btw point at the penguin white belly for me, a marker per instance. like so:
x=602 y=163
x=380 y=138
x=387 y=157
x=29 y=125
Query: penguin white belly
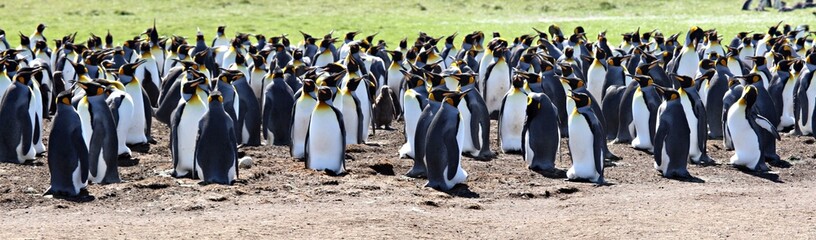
x=746 y=143
x=484 y=62
x=582 y=152
x=787 y=118
x=689 y=62
x=529 y=155
x=761 y=47
x=76 y=179
x=496 y=85
x=324 y=59
x=734 y=66
x=596 y=75
x=125 y=119
x=187 y=135
x=664 y=163
x=325 y=147
x=168 y=64
x=345 y=103
x=4 y=85
x=138 y=123
x=36 y=106
x=703 y=92
x=411 y=112
x=640 y=119
x=150 y=67
x=395 y=78
x=85 y=117
x=694 y=151
x=300 y=126
x=461 y=175
x=256 y=82
x=515 y=107
x=365 y=107
x=467 y=143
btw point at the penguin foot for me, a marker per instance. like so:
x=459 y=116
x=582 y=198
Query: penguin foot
x=778 y=163
x=611 y=156
x=335 y=174
x=608 y=163
x=549 y=172
x=348 y=156
x=621 y=141
x=704 y=161
x=416 y=173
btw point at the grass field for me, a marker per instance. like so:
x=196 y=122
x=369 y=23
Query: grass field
x=393 y=19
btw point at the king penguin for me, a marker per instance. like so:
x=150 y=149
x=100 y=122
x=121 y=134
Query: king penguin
x=687 y=61
x=277 y=108
x=216 y=150
x=671 y=144
x=511 y=117
x=184 y=126
x=17 y=131
x=496 y=82
x=326 y=137
x=67 y=153
x=476 y=119
x=139 y=131
x=347 y=102
x=540 y=135
x=806 y=97
x=445 y=134
x=301 y=113
x=645 y=103
x=586 y=141
x=749 y=132
x=413 y=104
x=99 y=132
x=696 y=118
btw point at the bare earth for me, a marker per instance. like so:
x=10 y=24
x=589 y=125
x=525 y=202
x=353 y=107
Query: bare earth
x=502 y=199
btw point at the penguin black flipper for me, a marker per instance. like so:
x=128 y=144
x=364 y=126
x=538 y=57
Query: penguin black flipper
x=617 y=116
x=339 y=116
x=174 y=140
x=598 y=142
x=479 y=119
x=165 y=111
x=169 y=80
x=802 y=101
x=360 y=125
x=148 y=115
x=653 y=102
x=452 y=156
x=501 y=112
x=702 y=125
x=658 y=141
x=150 y=89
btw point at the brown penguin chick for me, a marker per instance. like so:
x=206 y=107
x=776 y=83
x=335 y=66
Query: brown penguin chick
x=384 y=110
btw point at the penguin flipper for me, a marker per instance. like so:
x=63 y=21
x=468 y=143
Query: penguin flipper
x=82 y=153
x=452 y=153
x=804 y=103
x=474 y=125
x=148 y=115
x=342 y=154
x=659 y=141
x=360 y=124
x=765 y=124
x=598 y=142
x=174 y=139
x=501 y=112
x=267 y=114
x=702 y=124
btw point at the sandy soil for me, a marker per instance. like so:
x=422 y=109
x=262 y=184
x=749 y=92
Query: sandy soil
x=502 y=199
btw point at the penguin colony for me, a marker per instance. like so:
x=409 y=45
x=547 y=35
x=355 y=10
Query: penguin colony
x=653 y=92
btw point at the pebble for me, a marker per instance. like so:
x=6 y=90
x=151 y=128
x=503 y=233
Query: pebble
x=245 y=162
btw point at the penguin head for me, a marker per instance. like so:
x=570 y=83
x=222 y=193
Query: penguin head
x=189 y=88
x=435 y=79
x=437 y=94
x=40 y=28
x=666 y=56
x=530 y=78
x=798 y=65
x=9 y=65
x=617 y=60
x=350 y=35
x=308 y=86
x=220 y=31
x=110 y=85
x=694 y=36
x=685 y=81
x=92 y=88
x=643 y=80
x=706 y=76
x=706 y=64
x=464 y=78
x=25 y=42
x=517 y=81
x=747 y=42
x=750 y=78
x=333 y=68
x=449 y=40
x=396 y=56
x=126 y=71
x=574 y=83
x=784 y=65
x=581 y=99
x=811 y=58
x=108 y=40
x=453 y=98
x=668 y=94
x=80 y=69
x=566 y=69
x=353 y=83
x=215 y=96
x=65 y=97
x=333 y=79
x=413 y=80
x=749 y=96
x=758 y=60
x=774 y=30
x=324 y=94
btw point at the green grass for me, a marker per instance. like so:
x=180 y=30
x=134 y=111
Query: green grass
x=393 y=19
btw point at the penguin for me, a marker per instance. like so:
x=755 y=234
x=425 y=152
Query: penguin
x=301 y=113
x=229 y=96
x=324 y=55
x=540 y=134
x=216 y=150
x=38 y=35
x=148 y=74
x=596 y=74
x=586 y=141
x=326 y=137
x=278 y=103
x=384 y=108
x=751 y=133
x=686 y=63
x=99 y=132
x=249 y=112
x=445 y=134
x=184 y=127
x=577 y=85
x=671 y=144
x=782 y=94
x=432 y=107
x=121 y=106
x=220 y=38
x=141 y=122
x=67 y=152
x=615 y=75
x=257 y=76
x=695 y=117
x=347 y=102
x=496 y=82
x=716 y=88
x=413 y=105
x=476 y=119
x=644 y=109
x=17 y=131
x=806 y=98
x=511 y=117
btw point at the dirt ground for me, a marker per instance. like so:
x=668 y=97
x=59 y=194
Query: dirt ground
x=501 y=200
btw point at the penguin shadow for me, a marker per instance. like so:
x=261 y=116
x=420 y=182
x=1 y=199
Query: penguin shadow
x=383 y=169
x=126 y=160
x=140 y=148
x=596 y=184
x=463 y=191
x=688 y=179
x=554 y=173
x=780 y=163
x=773 y=177
x=83 y=197
x=33 y=163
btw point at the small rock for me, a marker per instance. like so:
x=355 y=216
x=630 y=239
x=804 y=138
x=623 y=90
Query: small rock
x=474 y=206
x=30 y=190
x=245 y=162
x=61 y=206
x=217 y=198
